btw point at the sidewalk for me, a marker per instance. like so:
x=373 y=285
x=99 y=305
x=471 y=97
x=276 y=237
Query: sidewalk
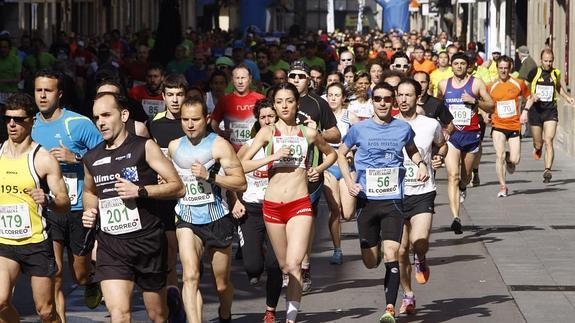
x=512 y=264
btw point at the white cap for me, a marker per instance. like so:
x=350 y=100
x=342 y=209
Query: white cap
x=290 y=48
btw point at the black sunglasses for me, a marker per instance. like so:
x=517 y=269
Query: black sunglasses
x=7 y=119
x=386 y=99
x=406 y=66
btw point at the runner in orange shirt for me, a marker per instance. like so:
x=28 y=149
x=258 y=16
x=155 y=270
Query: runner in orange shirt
x=507 y=118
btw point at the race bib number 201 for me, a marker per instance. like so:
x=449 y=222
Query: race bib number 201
x=119 y=216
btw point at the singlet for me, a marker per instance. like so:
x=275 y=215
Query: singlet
x=297 y=144
x=124 y=219
x=427 y=132
x=21 y=220
x=546 y=85
x=379 y=157
x=77 y=133
x=465 y=117
x=257 y=180
x=343 y=125
x=204 y=202
x=507 y=106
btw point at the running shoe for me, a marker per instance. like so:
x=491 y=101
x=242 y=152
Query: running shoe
x=407 y=305
x=337 y=257
x=255 y=281
x=502 y=191
x=389 y=315
x=462 y=195
x=92 y=295
x=285 y=280
x=509 y=165
x=306 y=279
x=537 y=154
x=547 y=175
x=421 y=270
x=475 y=179
x=175 y=306
x=269 y=317
x=456 y=226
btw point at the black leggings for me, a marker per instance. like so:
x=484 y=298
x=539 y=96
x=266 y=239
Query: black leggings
x=254 y=235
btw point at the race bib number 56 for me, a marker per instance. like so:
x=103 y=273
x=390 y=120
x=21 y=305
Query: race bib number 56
x=381 y=182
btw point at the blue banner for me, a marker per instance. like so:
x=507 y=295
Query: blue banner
x=253 y=13
x=395 y=14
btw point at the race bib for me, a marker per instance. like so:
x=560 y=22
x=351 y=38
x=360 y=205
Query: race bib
x=297 y=153
x=15 y=221
x=545 y=92
x=119 y=216
x=151 y=107
x=381 y=182
x=71 y=180
x=506 y=109
x=198 y=192
x=4 y=96
x=411 y=169
x=241 y=131
x=261 y=184
x=461 y=114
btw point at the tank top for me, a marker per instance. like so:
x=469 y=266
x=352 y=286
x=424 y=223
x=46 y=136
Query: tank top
x=204 y=202
x=465 y=117
x=123 y=218
x=297 y=144
x=21 y=220
x=257 y=180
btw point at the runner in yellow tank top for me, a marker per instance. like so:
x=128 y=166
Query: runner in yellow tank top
x=25 y=170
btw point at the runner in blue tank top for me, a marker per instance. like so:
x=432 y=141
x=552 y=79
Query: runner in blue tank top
x=463 y=95
x=379 y=186
x=208 y=166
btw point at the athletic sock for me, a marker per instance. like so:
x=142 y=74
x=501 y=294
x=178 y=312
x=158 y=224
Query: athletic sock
x=305 y=265
x=292 y=307
x=391 y=281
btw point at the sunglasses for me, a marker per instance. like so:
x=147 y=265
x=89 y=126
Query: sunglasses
x=297 y=75
x=7 y=119
x=405 y=66
x=386 y=99
x=396 y=48
x=346 y=59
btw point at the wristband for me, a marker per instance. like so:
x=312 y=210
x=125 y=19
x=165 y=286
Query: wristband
x=421 y=161
x=211 y=177
x=49 y=199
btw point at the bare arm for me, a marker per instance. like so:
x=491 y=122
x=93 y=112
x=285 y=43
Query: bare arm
x=565 y=95
x=172 y=187
x=415 y=156
x=48 y=167
x=141 y=129
x=252 y=164
x=332 y=135
x=234 y=178
x=441 y=89
x=486 y=102
x=320 y=142
x=260 y=140
x=90 y=195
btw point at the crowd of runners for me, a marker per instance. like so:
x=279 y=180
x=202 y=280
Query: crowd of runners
x=126 y=165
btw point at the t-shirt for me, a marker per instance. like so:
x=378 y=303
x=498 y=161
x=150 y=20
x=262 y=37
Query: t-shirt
x=435 y=109
x=10 y=68
x=35 y=63
x=281 y=64
x=425 y=66
x=438 y=76
x=427 y=132
x=237 y=113
x=379 y=157
x=363 y=110
x=77 y=133
x=507 y=106
x=174 y=67
x=151 y=104
x=314 y=61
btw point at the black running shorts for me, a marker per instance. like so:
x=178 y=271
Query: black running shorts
x=379 y=220
x=218 y=234
x=35 y=259
x=416 y=204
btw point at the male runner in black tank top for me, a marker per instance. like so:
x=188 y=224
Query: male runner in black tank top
x=120 y=190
